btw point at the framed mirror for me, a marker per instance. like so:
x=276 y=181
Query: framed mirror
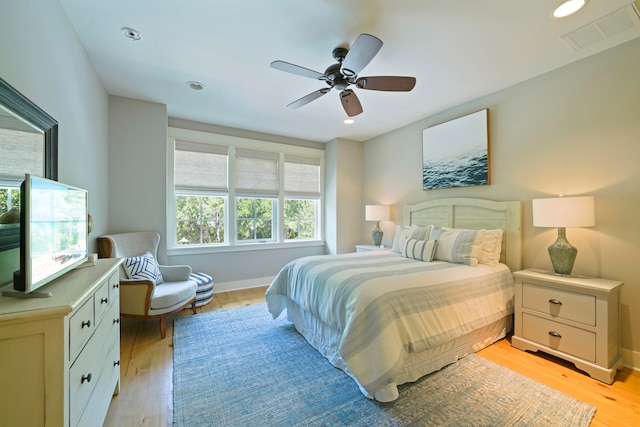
x=28 y=144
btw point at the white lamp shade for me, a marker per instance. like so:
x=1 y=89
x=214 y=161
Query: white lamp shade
x=564 y=212
x=376 y=213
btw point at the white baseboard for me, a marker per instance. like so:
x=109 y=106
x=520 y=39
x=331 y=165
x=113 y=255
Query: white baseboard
x=630 y=359
x=242 y=284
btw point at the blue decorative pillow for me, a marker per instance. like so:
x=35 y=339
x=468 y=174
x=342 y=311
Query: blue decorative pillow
x=421 y=250
x=143 y=267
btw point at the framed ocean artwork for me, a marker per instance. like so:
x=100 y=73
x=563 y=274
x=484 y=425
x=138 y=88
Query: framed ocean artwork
x=456 y=153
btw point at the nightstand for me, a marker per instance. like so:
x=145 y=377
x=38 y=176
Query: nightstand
x=369 y=248
x=573 y=318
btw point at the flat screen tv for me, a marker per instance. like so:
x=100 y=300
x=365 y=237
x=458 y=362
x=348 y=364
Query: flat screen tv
x=53 y=233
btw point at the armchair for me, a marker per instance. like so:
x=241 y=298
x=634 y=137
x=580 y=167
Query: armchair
x=143 y=298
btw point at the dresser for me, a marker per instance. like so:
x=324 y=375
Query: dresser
x=60 y=356
x=573 y=318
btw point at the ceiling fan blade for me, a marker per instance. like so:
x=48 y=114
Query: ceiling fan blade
x=296 y=69
x=308 y=98
x=350 y=102
x=361 y=53
x=387 y=83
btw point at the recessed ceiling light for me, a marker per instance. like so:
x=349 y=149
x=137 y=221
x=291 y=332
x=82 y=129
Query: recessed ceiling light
x=130 y=33
x=349 y=121
x=569 y=7
x=195 y=85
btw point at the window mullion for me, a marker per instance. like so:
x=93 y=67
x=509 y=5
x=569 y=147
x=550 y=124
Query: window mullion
x=232 y=218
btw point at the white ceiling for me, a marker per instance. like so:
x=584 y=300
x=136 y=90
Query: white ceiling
x=458 y=50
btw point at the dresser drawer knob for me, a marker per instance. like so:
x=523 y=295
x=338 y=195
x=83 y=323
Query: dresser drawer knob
x=555 y=301
x=116 y=321
x=115 y=286
x=555 y=334
x=116 y=363
x=104 y=300
x=87 y=324
x=86 y=378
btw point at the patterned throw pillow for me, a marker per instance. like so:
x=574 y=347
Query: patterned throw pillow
x=412 y=232
x=143 y=267
x=458 y=245
x=421 y=250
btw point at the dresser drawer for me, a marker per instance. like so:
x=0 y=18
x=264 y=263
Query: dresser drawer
x=88 y=368
x=560 y=303
x=81 y=326
x=558 y=336
x=102 y=300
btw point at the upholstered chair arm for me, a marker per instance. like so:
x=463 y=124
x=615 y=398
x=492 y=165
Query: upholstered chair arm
x=135 y=296
x=175 y=273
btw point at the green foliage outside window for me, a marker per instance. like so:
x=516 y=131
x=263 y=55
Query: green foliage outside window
x=254 y=218
x=199 y=220
x=300 y=219
x=7 y=202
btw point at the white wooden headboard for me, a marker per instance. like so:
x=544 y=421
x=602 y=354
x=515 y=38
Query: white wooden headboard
x=474 y=214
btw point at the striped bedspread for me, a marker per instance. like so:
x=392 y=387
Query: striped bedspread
x=384 y=306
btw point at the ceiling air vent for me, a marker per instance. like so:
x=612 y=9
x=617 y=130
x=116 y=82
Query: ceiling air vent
x=614 y=23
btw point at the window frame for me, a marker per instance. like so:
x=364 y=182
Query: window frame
x=231 y=244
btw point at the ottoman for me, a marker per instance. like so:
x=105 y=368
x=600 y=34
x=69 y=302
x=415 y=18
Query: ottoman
x=204 y=294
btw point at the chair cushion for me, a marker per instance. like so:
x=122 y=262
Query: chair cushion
x=143 y=267
x=169 y=294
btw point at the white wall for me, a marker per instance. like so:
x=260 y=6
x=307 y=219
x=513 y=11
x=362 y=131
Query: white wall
x=573 y=131
x=137 y=172
x=343 y=195
x=40 y=56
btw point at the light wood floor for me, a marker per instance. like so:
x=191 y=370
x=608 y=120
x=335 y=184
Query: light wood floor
x=146 y=382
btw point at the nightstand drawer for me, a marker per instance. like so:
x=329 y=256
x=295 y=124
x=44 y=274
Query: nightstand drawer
x=559 y=303
x=557 y=336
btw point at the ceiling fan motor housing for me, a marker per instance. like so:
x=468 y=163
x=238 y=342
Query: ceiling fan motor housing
x=336 y=79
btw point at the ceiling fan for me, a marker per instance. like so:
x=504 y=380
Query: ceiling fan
x=345 y=73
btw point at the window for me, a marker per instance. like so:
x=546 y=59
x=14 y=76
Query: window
x=233 y=192
x=199 y=219
x=302 y=195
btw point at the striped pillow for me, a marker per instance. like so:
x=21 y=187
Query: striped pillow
x=458 y=245
x=421 y=250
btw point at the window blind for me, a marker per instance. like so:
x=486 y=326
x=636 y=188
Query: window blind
x=301 y=176
x=200 y=166
x=256 y=173
x=20 y=153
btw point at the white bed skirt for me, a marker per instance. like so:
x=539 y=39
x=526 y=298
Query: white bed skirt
x=416 y=365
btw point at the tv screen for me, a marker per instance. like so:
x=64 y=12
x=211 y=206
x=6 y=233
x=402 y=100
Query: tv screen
x=53 y=231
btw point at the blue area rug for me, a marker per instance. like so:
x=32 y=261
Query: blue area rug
x=239 y=367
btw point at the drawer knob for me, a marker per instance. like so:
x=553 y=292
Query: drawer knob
x=555 y=301
x=104 y=301
x=116 y=363
x=86 y=378
x=115 y=286
x=116 y=321
x=555 y=334
x=87 y=324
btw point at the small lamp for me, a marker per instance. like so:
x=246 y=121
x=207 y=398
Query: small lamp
x=563 y=212
x=376 y=213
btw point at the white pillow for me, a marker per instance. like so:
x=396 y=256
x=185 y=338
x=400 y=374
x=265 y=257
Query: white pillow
x=457 y=245
x=143 y=267
x=491 y=247
x=409 y=232
x=421 y=250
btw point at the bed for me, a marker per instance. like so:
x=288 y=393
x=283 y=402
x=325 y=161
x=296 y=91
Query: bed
x=390 y=317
